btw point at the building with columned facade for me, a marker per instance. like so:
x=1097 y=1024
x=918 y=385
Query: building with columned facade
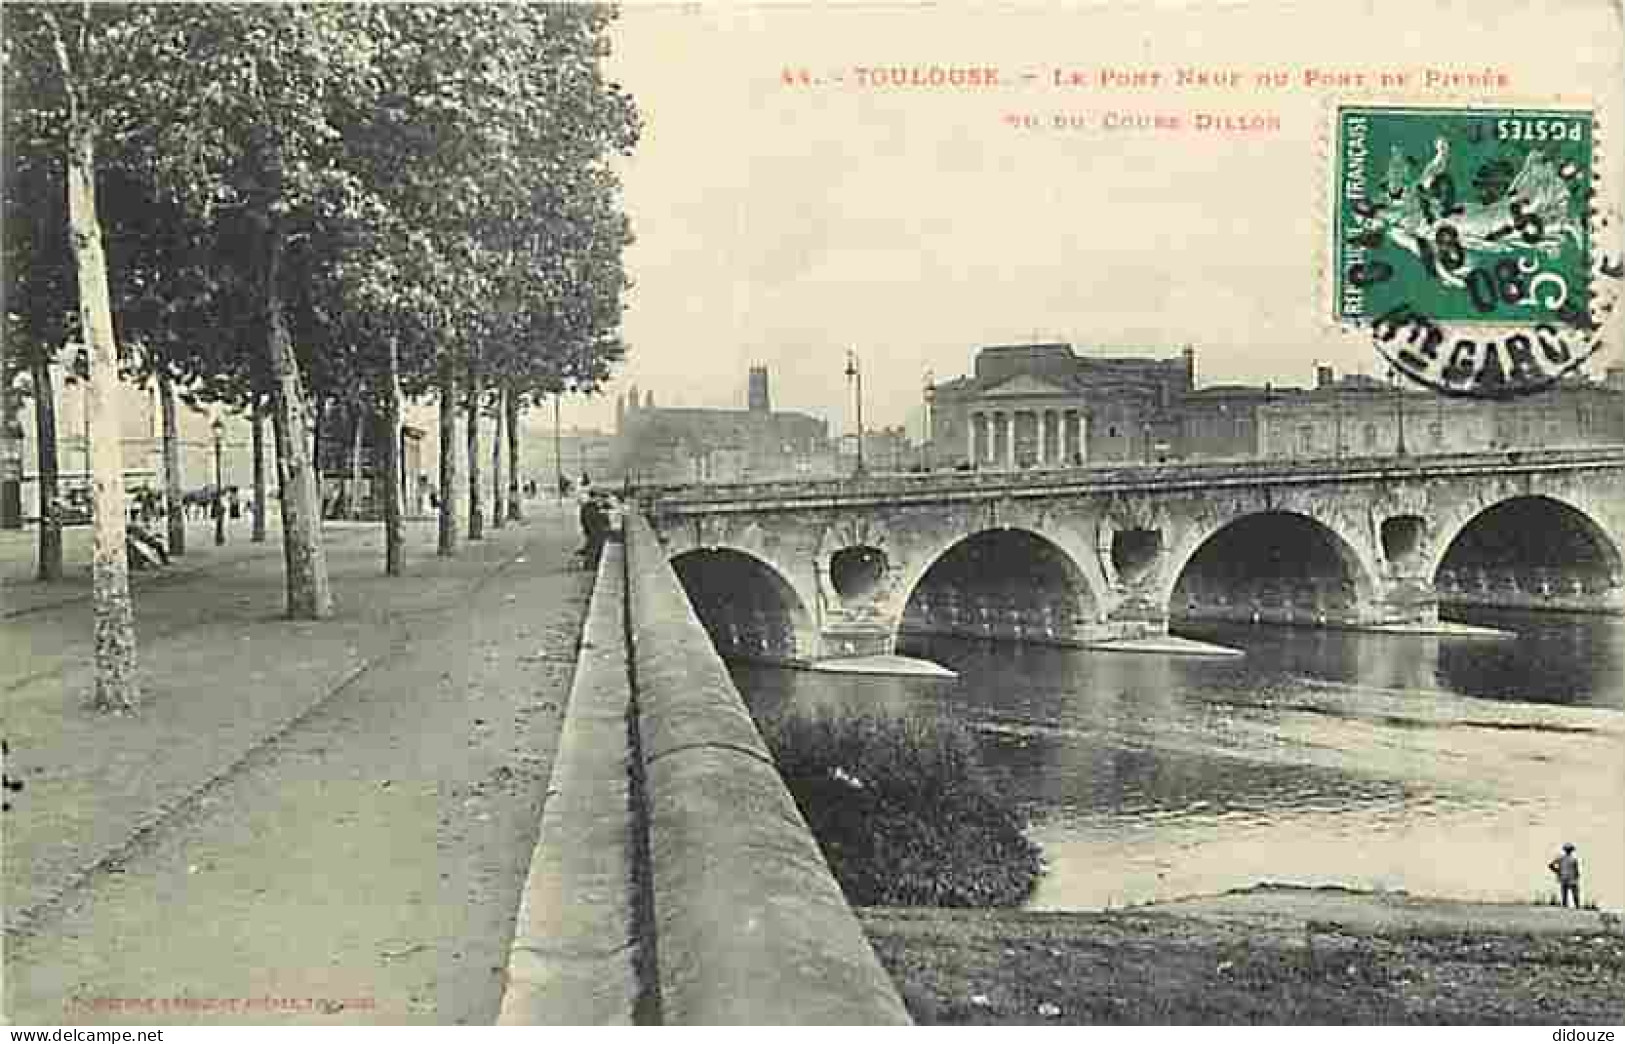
x=1043 y=405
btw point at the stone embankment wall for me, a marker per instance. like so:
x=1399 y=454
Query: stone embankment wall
x=675 y=880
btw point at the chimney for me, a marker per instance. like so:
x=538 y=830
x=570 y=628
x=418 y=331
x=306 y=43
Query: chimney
x=756 y=397
x=1189 y=355
x=1324 y=378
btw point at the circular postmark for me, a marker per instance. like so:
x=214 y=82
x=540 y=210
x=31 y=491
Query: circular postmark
x=1464 y=240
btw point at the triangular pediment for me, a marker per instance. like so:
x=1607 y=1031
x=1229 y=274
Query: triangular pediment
x=1025 y=384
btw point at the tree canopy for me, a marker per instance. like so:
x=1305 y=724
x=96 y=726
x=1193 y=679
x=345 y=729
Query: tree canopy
x=439 y=174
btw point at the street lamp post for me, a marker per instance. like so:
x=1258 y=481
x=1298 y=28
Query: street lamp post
x=219 y=429
x=925 y=437
x=855 y=373
x=84 y=409
x=1399 y=411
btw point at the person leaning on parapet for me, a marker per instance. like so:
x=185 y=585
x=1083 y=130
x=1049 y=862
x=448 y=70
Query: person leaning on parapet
x=594 y=527
x=1567 y=869
x=601 y=526
x=614 y=517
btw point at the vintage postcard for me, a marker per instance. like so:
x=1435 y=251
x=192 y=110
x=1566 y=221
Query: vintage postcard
x=1070 y=512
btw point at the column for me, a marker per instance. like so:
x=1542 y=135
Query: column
x=1010 y=442
x=1042 y=417
x=971 y=420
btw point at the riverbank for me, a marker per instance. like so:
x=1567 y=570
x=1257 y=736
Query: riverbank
x=1266 y=955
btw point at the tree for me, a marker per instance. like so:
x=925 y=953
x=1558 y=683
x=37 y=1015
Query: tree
x=61 y=69
x=38 y=267
x=499 y=417
x=253 y=99
x=490 y=119
x=511 y=403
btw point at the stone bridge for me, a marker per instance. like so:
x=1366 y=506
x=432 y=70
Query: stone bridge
x=807 y=571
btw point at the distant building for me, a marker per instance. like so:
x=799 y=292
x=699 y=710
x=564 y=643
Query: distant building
x=884 y=450
x=1362 y=416
x=1043 y=405
x=142 y=439
x=681 y=444
x=341 y=495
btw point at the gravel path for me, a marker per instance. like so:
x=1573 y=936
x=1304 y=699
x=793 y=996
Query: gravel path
x=370 y=792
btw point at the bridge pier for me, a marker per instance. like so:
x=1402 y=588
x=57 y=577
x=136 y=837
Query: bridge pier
x=849 y=641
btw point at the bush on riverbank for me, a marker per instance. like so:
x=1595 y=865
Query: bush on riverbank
x=901 y=809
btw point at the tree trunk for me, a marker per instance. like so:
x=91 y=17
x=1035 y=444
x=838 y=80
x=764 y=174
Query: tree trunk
x=447 y=543
x=117 y=687
x=318 y=414
x=391 y=462
x=259 y=471
x=499 y=513
x=476 y=517
x=50 y=511
x=11 y=435
x=514 y=514
x=310 y=595
x=174 y=506
x=358 y=434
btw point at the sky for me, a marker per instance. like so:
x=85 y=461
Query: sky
x=782 y=223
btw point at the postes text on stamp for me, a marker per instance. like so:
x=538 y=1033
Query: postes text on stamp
x=1463 y=239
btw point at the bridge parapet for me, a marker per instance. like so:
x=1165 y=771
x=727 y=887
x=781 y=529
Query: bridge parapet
x=904 y=487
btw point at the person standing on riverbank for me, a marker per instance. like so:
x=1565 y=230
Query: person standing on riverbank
x=1567 y=869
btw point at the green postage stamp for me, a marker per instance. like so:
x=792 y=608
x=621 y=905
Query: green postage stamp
x=1464 y=214
x=1453 y=220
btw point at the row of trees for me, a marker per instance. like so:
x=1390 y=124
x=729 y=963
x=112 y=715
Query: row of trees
x=281 y=208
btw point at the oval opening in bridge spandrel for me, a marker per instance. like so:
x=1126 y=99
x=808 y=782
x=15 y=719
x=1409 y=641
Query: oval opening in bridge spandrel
x=857 y=572
x=1134 y=551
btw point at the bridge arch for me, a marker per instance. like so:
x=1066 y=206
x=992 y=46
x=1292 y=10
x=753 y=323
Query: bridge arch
x=1279 y=566
x=1002 y=582
x=1528 y=548
x=747 y=604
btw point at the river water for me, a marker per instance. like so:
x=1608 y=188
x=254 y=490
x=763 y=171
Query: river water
x=1441 y=766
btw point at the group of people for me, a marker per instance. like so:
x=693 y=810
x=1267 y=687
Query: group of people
x=212 y=502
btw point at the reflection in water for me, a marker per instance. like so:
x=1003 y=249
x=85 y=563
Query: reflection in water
x=1441 y=766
